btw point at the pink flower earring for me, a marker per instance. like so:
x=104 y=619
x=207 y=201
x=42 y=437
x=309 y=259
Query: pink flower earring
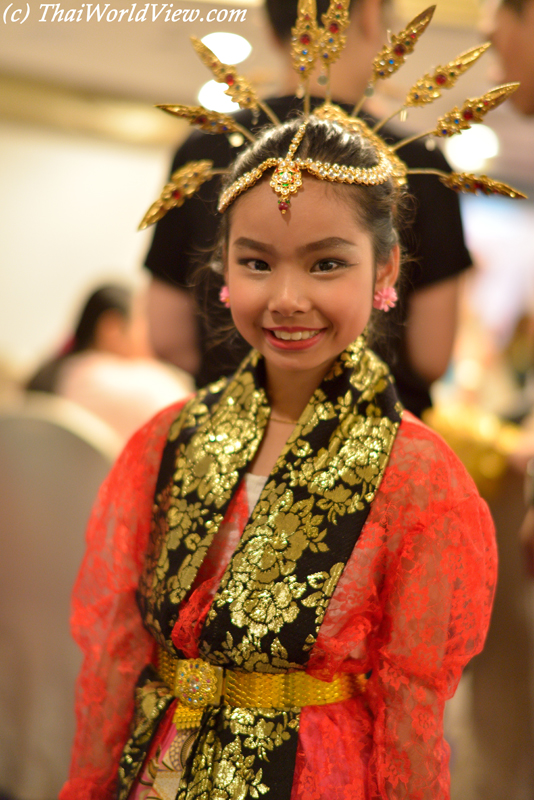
x=224 y=296
x=385 y=299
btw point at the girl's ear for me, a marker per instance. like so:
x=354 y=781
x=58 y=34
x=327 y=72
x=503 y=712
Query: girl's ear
x=387 y=273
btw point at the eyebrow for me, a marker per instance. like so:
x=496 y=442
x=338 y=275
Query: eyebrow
x=331 y=242
x=243 y=243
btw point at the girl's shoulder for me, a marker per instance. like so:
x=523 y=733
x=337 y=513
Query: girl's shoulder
x=423 y=469
x=417 y=438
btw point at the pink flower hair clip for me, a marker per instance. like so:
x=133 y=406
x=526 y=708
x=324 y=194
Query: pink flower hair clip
x=224 y=296
x=385 y=299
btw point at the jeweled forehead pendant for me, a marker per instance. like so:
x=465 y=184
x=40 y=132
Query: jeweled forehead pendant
x=287 y=177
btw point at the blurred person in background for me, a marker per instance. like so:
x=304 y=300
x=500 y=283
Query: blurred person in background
x=103 y=325
x=422 y=328
x=513 y=38
x=108 y=366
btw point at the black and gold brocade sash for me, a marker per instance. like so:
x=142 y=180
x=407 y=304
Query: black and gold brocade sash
x=275 y=591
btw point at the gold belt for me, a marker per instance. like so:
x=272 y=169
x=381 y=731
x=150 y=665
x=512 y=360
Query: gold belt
x=197 y=684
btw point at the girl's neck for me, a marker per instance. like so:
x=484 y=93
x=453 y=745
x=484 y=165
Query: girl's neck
x=290 y=393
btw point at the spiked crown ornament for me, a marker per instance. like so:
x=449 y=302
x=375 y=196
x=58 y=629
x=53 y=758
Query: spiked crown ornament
x=313 y=45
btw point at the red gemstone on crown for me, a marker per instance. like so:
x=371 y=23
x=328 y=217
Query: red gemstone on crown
x=334 y=28
x=305 y=39
x=399 y=50
x=177 y=194
x=201 y=120
x=441 y=79
x=468 y=115
x=230 y=80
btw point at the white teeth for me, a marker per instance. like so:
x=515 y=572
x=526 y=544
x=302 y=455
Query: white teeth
x=295 y=337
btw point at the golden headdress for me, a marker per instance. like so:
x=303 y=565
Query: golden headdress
x=313 y=44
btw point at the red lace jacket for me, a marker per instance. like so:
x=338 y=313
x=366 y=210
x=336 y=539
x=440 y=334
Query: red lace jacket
x=412 y=607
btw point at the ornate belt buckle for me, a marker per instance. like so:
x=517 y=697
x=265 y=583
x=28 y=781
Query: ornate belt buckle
x=198 y=683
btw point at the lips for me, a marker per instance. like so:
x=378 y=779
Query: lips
x=293 y=338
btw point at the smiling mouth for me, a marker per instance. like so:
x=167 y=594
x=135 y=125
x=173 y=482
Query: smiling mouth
x=303 y=339
x=293 y=336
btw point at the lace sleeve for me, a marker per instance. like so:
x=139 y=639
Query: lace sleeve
x=106 y=623
x=436 y=599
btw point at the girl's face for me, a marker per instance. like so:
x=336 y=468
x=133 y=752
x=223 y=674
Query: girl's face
x=301 y=284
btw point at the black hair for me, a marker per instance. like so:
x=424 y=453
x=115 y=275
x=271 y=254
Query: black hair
x=377 y=208
x=110 y=297
x=283 y=13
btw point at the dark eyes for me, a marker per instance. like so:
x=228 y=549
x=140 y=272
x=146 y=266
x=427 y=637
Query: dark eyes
x=322 y=267
x=328 y=265
x=255 y=264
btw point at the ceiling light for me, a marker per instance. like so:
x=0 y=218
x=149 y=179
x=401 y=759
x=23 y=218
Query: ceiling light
x=472 y=149
x=230 y=48
x=212 y=96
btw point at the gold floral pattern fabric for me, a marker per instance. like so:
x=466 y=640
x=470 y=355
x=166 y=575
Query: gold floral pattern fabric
x=275 y=591
x=234 y=755
x=209 y=447
x=274 y=594
x=330 y=468
x=152 y=698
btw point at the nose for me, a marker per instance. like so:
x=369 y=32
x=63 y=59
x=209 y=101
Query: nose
x=288 y=294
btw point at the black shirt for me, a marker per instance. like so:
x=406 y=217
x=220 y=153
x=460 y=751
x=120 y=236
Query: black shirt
x=433 y=241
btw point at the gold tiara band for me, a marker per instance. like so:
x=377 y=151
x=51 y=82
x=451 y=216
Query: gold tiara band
x=287 y=176
x=286 y=180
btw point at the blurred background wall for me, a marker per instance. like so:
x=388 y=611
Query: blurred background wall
x=69 y=207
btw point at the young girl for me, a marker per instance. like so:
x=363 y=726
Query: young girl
x=287 y=573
